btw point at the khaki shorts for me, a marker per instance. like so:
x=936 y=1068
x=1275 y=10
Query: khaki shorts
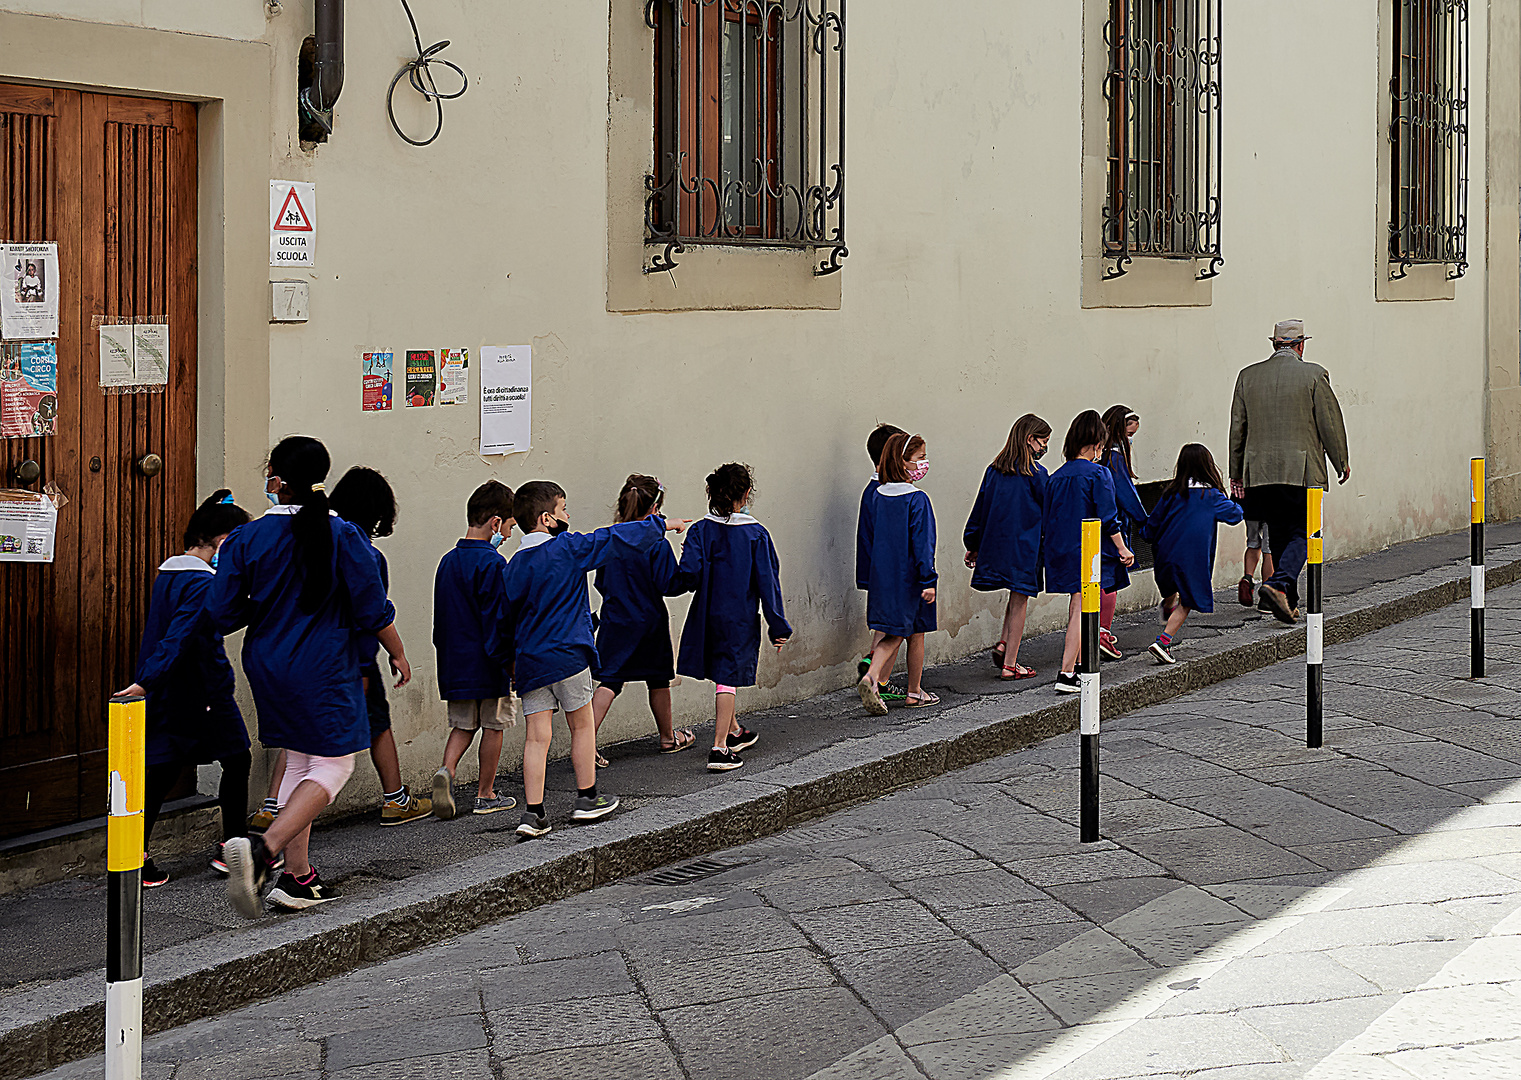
x=567 y=694
x=492 y=713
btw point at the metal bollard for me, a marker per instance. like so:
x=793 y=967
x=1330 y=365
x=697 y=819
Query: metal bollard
x=1088 y=665
x=124 y=894
x=1314 y=630
x=1476 y=567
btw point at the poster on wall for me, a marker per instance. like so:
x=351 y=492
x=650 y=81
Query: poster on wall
x=422 y=378
x=28 y=389
x=506 y=399
x=292 y=223
x=376 y=376
x=116 y=343
x=28 y=527
x=453 y=376
x=28 y=291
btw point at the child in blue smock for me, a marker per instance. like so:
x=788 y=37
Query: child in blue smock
x=182 y=671
x=473 y=642
x=728 y=560
x=1182 y=529
x=901 y=578
x=553 y=648
x=1079 y=490
x=874 y=443
x=634 y=625
x=303 y=582
x=1121 y=424
x=363 y=498
x=1003 y=534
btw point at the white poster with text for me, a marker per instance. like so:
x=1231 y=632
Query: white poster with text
x=506 y=399
x=29 y=290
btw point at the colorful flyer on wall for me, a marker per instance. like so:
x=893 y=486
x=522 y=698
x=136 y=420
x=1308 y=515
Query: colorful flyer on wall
x=376 y=368
x=28 y=527
x=422 y=378
x=29 y=390
x=29 y=290
x=506 y=398
x=453 y=376
x=116 y=343
x=150 y=354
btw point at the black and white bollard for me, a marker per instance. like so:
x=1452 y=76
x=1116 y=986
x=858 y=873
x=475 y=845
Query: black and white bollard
x=1476 y=567
x=1088 y=680
x=126 y=743
x=1315 y=626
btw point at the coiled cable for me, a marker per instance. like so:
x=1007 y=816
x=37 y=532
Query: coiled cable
x=419 y=73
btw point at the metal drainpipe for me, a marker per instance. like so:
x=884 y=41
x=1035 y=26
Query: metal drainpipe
x=327 y=72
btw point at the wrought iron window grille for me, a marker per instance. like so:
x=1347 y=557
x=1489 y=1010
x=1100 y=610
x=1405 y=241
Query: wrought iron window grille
x=749 y=127
x=1163 y=95
x=1428 y=136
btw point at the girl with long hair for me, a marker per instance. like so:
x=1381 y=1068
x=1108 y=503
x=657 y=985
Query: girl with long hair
x=1121 y=424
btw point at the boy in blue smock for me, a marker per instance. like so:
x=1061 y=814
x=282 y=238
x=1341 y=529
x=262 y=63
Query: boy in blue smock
x=1183 y=529
x=473 y=643
x=553 y=647
x=874 y=444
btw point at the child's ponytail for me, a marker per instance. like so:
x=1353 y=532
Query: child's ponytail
x=727 y=487
x=302 y=464
x=639 y=496
x=215 y=517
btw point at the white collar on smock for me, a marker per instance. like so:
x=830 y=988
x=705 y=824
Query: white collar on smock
x=186 y=562
x=732 y=519
x=896 y=489
x=533 y=540
x=289 y=509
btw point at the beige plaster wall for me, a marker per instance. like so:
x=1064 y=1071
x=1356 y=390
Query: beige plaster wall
x=960 y=305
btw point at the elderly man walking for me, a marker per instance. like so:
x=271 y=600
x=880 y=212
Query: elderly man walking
x=1285 y=422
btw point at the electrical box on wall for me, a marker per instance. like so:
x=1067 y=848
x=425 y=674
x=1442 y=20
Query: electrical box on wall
x=289 y=301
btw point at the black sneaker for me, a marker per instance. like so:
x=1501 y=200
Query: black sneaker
x=533 y=825
x=1067 y=684
x=862 y=667
x=153 y=877
x=291 y=895
x=742 y=738
x=1160 y=651
x=248 y=871
x=219 y=859
x=723 y=760
x=592 y=807
x=892 y=693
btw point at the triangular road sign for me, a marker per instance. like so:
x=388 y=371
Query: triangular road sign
x=292 y=216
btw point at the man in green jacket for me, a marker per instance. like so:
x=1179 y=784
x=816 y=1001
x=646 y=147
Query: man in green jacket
x=1285 y=422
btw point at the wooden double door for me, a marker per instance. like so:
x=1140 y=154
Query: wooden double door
x=113 y=180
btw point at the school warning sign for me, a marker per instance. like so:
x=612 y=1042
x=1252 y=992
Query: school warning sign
x=292 y=223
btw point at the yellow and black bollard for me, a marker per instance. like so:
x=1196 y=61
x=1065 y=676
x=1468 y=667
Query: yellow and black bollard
x=1088 y=678
x=1315 y=626
x=124 y=894
x=1476 y=567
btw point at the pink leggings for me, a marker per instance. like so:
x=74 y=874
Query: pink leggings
x=720 y=688
x=1106 y=609
x=328 y=773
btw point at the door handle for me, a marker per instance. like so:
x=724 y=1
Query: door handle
x=27 y=473
x=150 y=464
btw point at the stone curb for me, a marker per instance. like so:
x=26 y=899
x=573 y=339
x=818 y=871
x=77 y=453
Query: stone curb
x=64 y=1020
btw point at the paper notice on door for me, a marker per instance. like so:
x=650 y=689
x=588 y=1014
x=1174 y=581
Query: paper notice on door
x=116 y=367
x=28 y=389
x=506 y=399
x=453 y=376
x=150 y=354
x=28 y=527
x=29 y=291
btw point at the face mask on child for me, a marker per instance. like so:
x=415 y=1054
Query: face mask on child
x=918 y=470
x=558 y=526
x=1039 y=453
x=273 y=498
x=497 y=538
x=214 y=555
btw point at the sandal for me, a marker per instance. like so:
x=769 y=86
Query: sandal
x=1000 y=653
x=601 y=762
x=682 y=737
x=923 y=700
x=1019 y=670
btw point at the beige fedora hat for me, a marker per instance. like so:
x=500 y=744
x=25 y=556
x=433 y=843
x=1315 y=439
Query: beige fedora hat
x=1290 y=330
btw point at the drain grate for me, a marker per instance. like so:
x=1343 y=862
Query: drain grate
x=695 y=871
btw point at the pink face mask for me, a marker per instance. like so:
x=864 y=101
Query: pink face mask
x=918 y=470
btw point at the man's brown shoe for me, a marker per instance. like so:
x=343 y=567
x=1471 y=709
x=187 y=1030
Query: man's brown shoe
x=1274 y=603
x=1244 y=592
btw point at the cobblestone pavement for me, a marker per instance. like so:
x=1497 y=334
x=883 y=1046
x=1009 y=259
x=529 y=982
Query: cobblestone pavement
x=1258 y=911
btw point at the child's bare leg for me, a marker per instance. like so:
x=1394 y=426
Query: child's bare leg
x=277 y=774
x=1014 y=627
x=602 y=701
x=883 y=657
x=387 y=765
x=292 y=828
x=490 y=756
x=455 y=746
x=583 y=746
x=915 y=663
x=1250 y=561
x=1074 y=634
x=536 y=755
x=723 y=719
x=1175 y=621
x=876 y=639
x=1267 y=564
x=660 y=705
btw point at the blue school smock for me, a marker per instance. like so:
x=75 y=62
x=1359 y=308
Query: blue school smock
x=192 y=716
x=548 y=607
x=369 y=647
x=634 y=625
x=1004 y=530
x=303 y=668
x=863 y=534
x=471 y=636
x=1131 y=518
x=731 y=564
x=1078 y=490
x=1182 y=529
x=902 y=538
